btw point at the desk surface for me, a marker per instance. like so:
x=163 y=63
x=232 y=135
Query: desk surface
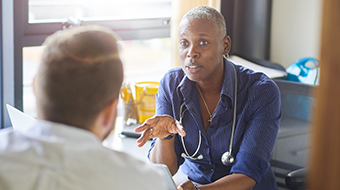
x=128 y=145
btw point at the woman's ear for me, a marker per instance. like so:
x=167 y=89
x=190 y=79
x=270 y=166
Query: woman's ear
x=226 y=45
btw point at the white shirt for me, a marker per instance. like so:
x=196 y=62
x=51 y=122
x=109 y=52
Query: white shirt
x=51 y=156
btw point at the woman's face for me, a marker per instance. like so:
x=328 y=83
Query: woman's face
x=200 y=48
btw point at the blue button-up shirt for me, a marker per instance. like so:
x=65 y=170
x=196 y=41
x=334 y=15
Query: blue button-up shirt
x=257 y=122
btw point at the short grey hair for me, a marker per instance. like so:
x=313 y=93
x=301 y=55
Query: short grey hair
x=209 y=13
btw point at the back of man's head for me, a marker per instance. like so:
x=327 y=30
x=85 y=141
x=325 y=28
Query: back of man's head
x=80 y=74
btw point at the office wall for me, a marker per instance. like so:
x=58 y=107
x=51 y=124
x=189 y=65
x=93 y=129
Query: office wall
x=295 y=30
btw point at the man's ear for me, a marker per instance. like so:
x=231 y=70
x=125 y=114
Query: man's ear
x=110 y=113
x=104 y=122
x=226 y=45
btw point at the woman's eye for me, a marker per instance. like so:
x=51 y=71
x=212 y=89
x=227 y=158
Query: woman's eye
x=183 y=43
x=202 y=43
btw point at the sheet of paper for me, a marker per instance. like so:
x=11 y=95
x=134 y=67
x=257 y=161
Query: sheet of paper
x=20 y=121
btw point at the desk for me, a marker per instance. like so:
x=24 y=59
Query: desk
x=128 y=145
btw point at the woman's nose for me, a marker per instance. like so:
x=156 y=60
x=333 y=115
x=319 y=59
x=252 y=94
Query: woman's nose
x=193 y=53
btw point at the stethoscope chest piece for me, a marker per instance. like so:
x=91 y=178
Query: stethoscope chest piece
x=227 y=158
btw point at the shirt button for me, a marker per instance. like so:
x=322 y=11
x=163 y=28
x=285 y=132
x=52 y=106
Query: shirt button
x=212 y=170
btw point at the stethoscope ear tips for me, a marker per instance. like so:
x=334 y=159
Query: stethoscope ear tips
x=227 y=159
x=183 y=155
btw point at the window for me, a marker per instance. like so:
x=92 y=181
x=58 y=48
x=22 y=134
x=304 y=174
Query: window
x=142 y=25
x=130 y=19
x=144 y=60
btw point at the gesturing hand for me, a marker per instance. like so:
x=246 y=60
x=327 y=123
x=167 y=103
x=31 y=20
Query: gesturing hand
x=159 y=127
x=187 y=185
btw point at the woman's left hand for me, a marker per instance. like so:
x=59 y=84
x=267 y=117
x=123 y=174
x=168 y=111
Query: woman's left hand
x=187 y=185
x=159 y=126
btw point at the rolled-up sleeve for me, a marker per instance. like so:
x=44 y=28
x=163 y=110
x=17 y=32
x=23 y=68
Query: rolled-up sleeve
x=249 y=165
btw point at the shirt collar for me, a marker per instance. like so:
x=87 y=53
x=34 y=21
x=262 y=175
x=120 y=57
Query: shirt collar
x=52 y=131
x=186 y=86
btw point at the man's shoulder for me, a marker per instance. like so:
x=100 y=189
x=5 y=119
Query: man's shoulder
x=6 y=131
x=126 y=161
x=132 y=172
x=108 y=168
x=11 y=140
x=6 y=136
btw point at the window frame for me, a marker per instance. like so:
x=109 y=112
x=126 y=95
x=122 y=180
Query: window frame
x=1 y=69
x=34 y=34
x=8 y=85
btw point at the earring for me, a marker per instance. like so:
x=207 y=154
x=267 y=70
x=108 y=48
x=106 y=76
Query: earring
x=226 y=56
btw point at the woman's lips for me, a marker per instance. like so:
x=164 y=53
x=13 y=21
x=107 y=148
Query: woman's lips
x=192 y=68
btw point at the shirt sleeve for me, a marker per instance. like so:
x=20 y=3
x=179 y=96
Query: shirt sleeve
x=260 y=131
x=165 y=98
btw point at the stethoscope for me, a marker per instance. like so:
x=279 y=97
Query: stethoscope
x=226 y=158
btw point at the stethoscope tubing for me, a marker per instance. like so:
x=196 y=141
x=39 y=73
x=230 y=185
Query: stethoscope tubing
x=186 y=155
x=234 y=118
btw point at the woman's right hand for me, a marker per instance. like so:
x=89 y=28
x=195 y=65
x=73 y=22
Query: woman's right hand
x=158 y=127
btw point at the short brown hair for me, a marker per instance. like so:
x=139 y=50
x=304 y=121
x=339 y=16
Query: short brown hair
x=79 y=75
